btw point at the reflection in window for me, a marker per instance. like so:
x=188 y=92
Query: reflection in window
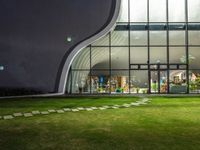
x=177 y=55
x=138 y=37
x=194 y=37
x=176 y=37
x=138 y=10
x=158 y=55
x=119 y=38
x=194 y=57
x=157 y=10
x=119 y=58
x=100 y=58
x=176 y=14
x=141 y=58
x=158 y=37
x=123 y=14
x=119 y=82
x=139 y=81
x=82 y=60
x=177 y=80
x=81 y=82
x=193 y=10
x=194 y=79
x=100 y=81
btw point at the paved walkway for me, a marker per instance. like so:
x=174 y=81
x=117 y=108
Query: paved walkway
x=142 y=101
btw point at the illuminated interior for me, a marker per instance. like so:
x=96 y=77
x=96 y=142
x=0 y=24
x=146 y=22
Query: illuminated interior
x=147 y=52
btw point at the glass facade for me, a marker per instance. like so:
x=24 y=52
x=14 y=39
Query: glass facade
x=154 y=48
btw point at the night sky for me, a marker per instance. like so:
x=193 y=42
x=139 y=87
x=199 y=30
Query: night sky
x=33 y=35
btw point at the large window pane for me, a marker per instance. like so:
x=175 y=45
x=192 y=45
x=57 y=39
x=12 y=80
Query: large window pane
x=100 y=81
x=119 y=58
x=139 y=55
x=176 y=10
x=119 y=81
x=177 y=80
x=119 y=38
x=157 y=10
x=193 y=10
x=194 y=78
x=139 y=81
x=138 y=38
x=138 y=10
x=123 y=15
x=194 y=57
x=177 y=55
x=194 y=37
x=158 y=37
x=82 y=60
x=176 y=37
x=100 y=58
x=80 y=82
x=158 y=55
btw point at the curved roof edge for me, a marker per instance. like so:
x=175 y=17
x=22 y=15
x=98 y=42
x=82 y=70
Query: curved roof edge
x=62 y=79
x=65 y=70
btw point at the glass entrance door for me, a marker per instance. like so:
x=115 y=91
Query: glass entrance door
x=158 y=81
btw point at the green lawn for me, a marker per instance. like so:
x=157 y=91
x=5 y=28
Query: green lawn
x=163 y=124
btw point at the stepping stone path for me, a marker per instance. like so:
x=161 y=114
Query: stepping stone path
x=51 y=110
x=81 y=108
x=75 y=110
x=60 y=111
x=28 y=114
x=142 y=101
x=36 y=112
x=89 y=109
x=17 y=114
x=8 y=117
x=44 y=112
x=102 y=108
x=66 y=109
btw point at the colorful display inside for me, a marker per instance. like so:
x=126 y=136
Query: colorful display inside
x=154 y=48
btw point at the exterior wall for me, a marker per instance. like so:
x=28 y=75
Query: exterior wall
x=33 y=38
x=147 y=52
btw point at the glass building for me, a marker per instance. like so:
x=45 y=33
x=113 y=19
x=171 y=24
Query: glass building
x=154 y=48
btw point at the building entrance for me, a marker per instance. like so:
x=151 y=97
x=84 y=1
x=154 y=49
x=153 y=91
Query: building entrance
x=158 y=81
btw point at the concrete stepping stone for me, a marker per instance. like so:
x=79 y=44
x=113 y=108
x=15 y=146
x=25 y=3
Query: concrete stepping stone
x=135 y=104
x=44 y=112
x=51 y=110
x=126 y=105
x=106 y=107
x=114 y=107
x=94 y=108
x=36 y=112
x=81 y=108
x=28 y=114
x=1 y=117
x=17 y=114
x=8 y=117
x=60 y=111
x=67 y=109
x=75 y=110
x=144 y=100
x=142 y=103
x=89 y=109
x=102 y=108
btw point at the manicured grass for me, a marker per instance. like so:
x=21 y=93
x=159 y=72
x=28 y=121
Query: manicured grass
x=9 y=106
x=164 y=124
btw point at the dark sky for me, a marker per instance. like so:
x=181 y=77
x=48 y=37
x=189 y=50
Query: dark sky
x=33 y=33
